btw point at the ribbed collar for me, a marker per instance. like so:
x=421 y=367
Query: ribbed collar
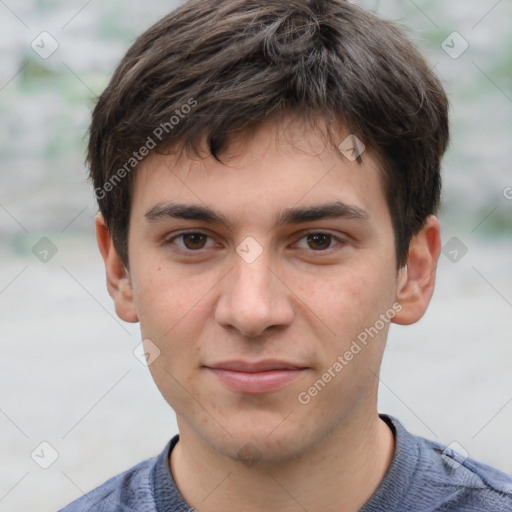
x=388 y=496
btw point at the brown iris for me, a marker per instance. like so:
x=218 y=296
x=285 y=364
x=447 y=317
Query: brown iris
x=319 y=241
x=194 y=241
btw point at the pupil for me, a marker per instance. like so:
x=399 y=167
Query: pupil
x=194 y=241
x=320 y=240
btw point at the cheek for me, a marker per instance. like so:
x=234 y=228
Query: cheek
x=173 y=312
x=347 y=303
x=342 y=297
x=170 y=307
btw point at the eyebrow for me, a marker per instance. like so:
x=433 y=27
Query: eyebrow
x=295 y=215
x=184 y=211
x=337 y=209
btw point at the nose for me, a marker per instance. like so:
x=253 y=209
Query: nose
x=254 y=299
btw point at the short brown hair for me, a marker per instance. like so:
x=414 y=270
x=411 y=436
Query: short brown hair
x=214 y=67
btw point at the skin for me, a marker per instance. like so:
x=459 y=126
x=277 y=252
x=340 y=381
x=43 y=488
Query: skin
x=302 y=300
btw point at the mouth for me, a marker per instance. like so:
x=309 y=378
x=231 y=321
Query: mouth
x=256 y=377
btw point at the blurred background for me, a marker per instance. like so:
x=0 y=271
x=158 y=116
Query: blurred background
x=76 y=404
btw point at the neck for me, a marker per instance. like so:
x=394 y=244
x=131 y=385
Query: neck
x=339 y=473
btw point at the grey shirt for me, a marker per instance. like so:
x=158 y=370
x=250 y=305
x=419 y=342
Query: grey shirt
x=424 y=476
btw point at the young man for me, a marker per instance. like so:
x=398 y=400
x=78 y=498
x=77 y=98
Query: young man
x=267 y=174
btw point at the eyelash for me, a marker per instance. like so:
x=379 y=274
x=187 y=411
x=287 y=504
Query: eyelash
x=171 y=241
x=333 y=238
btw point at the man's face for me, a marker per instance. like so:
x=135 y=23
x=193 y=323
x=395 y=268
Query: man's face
x=253 y=303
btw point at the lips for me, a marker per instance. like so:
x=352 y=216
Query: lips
x=256 y=377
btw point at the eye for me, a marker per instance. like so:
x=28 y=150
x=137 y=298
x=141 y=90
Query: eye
x=318 y=241
x=191 y=241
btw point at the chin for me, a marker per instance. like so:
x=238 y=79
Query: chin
x=257 y=440
x=252 y=449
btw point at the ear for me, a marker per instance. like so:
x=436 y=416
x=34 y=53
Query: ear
x=417 y=279
x=118 y=278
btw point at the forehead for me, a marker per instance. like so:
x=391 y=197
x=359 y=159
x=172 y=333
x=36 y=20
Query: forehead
x=278 y=165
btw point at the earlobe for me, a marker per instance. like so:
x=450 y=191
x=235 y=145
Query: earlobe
x=118 y=278
x=417 y=279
